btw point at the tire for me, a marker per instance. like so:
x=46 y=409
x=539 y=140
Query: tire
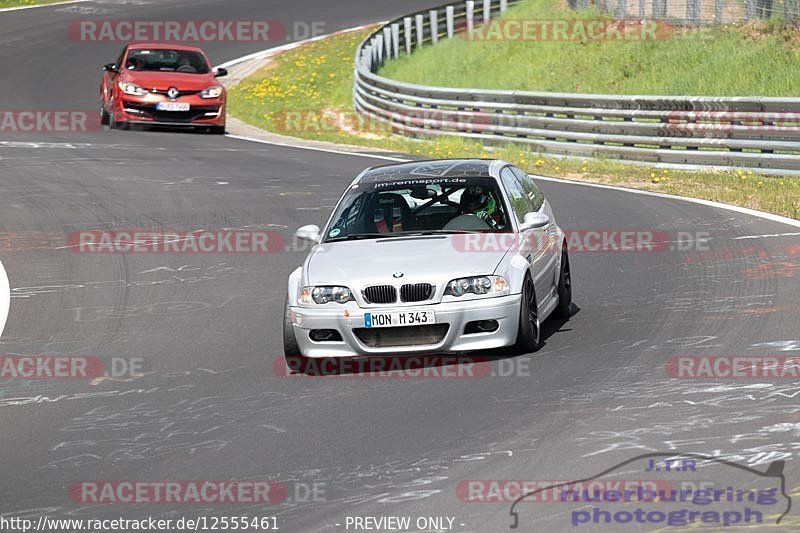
x=529 y=332
x=217 y=130
x=105 y=118
x=564 y=308
x=115 y=125
x=295 y=361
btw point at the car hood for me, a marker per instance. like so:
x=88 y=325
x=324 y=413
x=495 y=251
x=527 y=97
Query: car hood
x=164 y=80
x=433 y=259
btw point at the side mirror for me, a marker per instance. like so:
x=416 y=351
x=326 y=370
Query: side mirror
x=110 y=67
x=534 y=220
x=308 y=233
x=219 y=72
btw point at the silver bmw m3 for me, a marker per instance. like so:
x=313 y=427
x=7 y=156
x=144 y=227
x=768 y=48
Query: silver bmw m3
x=443 y=256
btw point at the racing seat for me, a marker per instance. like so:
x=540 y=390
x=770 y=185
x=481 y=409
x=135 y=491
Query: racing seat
x=391 y=214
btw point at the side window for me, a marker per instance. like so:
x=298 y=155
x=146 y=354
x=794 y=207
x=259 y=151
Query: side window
x=520 y=203
x=529 y=187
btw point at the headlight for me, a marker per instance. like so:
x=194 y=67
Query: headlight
x=323 y=295
x=212 y=92
x=477 y=285
x=132 y=89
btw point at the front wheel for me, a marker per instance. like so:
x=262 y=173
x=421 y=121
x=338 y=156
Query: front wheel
x=564 y=308
x=529 y=333
x=105 y=118
x=217 y=130
x=116 y=125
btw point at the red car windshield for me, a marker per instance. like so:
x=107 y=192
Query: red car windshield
x=160 y=60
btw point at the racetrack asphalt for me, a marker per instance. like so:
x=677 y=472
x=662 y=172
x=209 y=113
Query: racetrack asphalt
x=211 y=407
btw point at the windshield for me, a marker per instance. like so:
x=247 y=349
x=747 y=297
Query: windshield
x=412 y=205
x=167 y=61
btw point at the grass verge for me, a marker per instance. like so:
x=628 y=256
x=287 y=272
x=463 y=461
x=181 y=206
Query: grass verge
x=753 y=59
x=307 y=93
x=23 y=3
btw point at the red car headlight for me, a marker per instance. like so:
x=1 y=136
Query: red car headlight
x=214 y=91
x=131 y=89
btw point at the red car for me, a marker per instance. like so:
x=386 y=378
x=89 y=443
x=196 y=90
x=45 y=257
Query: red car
x=163 y=85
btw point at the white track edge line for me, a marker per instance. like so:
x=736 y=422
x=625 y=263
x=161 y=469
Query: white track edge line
x=710 y=203
x=318 y=149
x=5 y=297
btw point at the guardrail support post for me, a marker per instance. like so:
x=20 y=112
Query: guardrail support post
x=396 y=39
x=451 y=21
x=420 y=30
x=387 y=42
x=718 y=11
x=503 y=6
x=434 y=19
x=693 y=11
x=642 y=8
x=470 y=16
x=749 y=10
x=487 y=10
x=407 y=33
x=379 y=49
x=376 y=52
x=622 y=9
x=790 y=11
x=367 y=53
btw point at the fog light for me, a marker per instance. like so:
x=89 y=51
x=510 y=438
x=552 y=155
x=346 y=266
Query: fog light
x=325 y=335
x=481 y=326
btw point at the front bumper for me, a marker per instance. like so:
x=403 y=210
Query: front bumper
x=503 y=309
x=210 y=112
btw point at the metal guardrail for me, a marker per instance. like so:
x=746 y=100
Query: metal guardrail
x=749 y=132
